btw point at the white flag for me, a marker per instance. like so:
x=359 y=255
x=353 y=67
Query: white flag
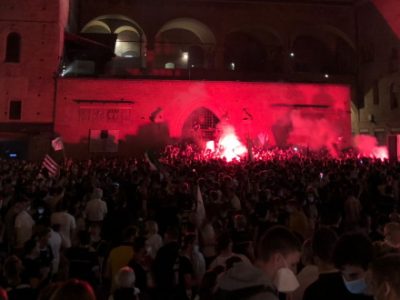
x=200 y=209
x=57 y=144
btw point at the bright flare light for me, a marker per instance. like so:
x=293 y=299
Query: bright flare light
x=231 y=147
x=210 y=145
x=380 y=152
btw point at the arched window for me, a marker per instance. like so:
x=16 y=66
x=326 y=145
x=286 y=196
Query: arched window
x=13 y=48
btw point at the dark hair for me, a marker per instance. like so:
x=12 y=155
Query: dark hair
x=277 y=239
x=230 y=262
x=386 y=269
x=323 y=243
x=353 y=249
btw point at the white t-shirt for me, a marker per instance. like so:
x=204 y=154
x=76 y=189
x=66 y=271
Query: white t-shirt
x=154 y=242
x=55 y=242
x=96 y=210
x=67 y=224
x=23 y=228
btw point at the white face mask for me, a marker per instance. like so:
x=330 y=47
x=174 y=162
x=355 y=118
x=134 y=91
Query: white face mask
x=285 y=281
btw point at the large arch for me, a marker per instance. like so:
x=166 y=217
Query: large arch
x=337 y=47
x=96 y=26
x=185 y=43
x=253 y=49
x=130 y=40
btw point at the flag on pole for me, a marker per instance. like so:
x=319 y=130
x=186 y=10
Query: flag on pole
x=200 y=209
x=57 y=144
x=51 y=166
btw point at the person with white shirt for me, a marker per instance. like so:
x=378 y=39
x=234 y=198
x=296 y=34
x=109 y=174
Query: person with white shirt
x=154 y=240
x=55 y=242
x=66 y=223
x=96 y=208
x=23 y=225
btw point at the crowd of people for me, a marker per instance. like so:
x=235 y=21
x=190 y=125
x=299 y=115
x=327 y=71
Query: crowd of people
x=289 y=225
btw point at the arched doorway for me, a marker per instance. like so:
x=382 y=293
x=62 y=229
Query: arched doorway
x=201 y=125
x=185 y=42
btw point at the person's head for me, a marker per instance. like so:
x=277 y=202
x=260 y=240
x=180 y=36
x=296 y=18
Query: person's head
x=74 y=289
x=97 y=193
x=323 y=244
x=391 y=232
x=384 y=277
x=352 y=254
x=278 y=253
x=125 y=278
x=151 y=227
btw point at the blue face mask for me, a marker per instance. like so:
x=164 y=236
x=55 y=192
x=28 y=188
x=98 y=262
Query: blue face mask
x=358 y=286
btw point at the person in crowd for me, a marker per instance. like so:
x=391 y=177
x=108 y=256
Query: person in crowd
x=120 y=256
x=96 y=208
x=352 y=254
x=172 y=275
x=329 y=284
x=241 y=237
x=154 y=240
x=83 y=260
x=309 y=273
x=384 y=277
x=55 y=242
x=225 y=246
x=23 y=224
x=278 y=253
x=141 y=264
x=65 y=222
x=125 y=285
x=17 y=286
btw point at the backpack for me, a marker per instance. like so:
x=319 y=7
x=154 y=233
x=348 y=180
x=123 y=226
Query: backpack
x=243 y=294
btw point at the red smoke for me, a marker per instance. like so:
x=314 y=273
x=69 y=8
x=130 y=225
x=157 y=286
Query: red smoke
x=367 y=146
